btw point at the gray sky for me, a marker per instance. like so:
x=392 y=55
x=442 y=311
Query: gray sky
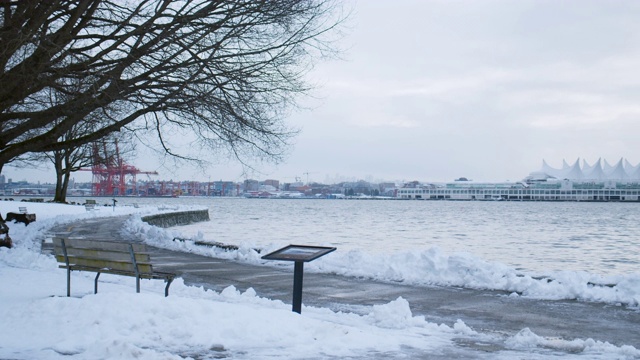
x=436 y=90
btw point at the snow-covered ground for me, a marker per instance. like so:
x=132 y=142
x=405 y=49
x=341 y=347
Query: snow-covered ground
x=38 y=322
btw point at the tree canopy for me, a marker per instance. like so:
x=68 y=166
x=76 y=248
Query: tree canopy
x=226 y=70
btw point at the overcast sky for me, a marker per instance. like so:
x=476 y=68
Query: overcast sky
x=436 y=90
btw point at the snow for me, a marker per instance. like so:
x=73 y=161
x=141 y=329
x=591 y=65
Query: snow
x=425 y=267
x=39 y=322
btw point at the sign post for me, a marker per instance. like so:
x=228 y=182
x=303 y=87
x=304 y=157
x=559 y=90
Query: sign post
x=300 y=254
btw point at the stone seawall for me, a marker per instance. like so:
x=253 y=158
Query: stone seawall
x=177 y=218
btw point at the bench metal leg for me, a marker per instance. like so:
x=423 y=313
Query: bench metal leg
x=95 y=285
x=166 y=288
x=66 y=261
x=135 y=267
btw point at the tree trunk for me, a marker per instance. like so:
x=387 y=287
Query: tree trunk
x=65 y=187
x=57 y=162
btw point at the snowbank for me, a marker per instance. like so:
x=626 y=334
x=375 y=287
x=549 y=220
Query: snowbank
x=428 y=267
x=38 y=322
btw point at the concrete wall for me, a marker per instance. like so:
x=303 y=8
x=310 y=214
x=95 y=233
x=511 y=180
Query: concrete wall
x=177 y=218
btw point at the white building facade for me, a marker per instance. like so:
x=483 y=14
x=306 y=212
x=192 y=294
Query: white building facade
x=598 y=182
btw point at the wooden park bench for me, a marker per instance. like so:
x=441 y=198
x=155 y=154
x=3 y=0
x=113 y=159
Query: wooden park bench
x=22 y=216
x=109 y=257
x=90 y=205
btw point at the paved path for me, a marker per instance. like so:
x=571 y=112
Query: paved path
x=484 y=311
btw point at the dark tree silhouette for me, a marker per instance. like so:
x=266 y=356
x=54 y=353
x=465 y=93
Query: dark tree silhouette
x=66 y=161
x=226 y=71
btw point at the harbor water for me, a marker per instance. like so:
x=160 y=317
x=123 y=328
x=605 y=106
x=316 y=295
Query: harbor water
x=532 y=237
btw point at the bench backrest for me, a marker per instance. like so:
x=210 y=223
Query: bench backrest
x=110 y=255
x=22 y=209
x=89 y=201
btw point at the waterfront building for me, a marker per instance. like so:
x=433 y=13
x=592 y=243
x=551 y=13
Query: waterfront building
x=598 y=182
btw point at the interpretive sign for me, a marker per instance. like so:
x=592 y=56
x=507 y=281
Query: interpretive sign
x=300 y=254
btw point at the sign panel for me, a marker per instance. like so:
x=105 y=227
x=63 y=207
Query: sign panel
x=298 y=253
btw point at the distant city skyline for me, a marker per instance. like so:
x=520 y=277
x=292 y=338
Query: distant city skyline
x=575 y=170
x=483 y=90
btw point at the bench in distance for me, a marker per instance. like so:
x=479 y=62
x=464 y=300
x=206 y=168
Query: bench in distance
x=22 y=216
x=90 y=205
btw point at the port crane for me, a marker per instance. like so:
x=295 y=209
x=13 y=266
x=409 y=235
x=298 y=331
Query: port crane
x=111 y=174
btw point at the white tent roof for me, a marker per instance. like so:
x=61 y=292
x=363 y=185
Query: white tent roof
x=607 y=167
x=635 y=175
x=632 y=171
x=556 y=173
x=599 y=171
x=574 y=172
x=618 y=172
x=595 y=172
x=586 y=168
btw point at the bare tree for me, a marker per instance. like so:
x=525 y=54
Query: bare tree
x=228 y=71
x=65 y=162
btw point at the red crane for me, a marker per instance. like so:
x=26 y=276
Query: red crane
x=111 y=174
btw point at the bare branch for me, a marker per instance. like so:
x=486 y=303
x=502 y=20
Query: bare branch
x=227 y=70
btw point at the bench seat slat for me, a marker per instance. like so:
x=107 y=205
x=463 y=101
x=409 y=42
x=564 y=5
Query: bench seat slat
x=107 y=264
x=141 y=258
x=143 y=275
x=102 y=245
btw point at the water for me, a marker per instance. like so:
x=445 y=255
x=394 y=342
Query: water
x=538 y=237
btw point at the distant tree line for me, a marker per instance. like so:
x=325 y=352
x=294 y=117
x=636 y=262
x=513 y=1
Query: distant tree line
x=364 y=191
x=224 y=72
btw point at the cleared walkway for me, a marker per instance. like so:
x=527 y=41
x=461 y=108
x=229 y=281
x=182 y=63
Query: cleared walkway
x=484 y=311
